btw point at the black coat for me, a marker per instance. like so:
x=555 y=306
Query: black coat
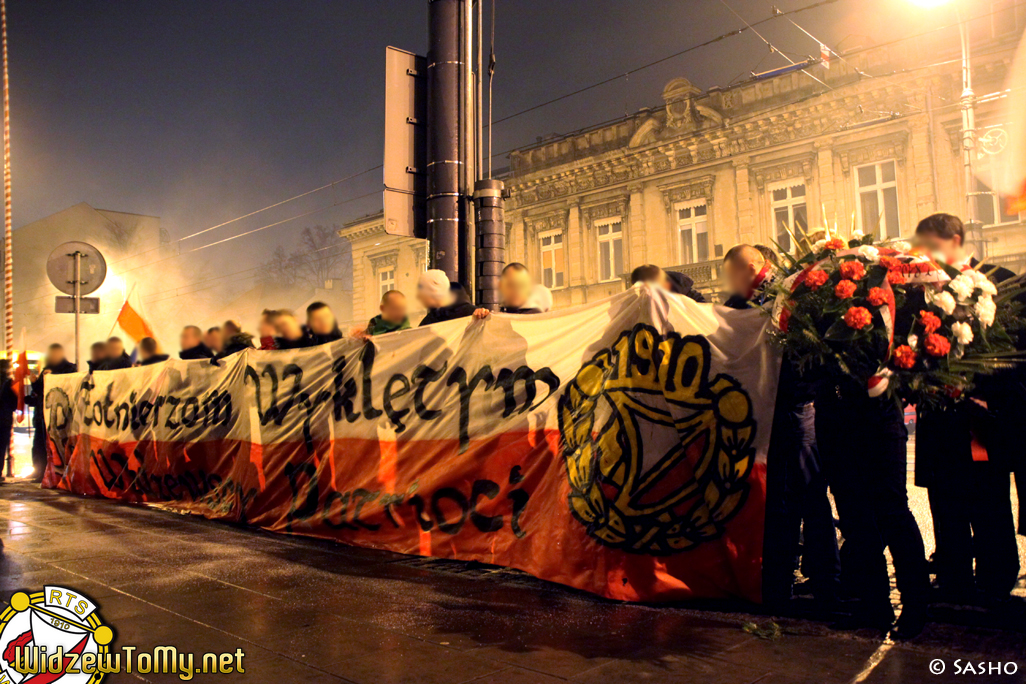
x=683 y=284
x=156 y=358
x=448 y=313
x=117 y=363
x=236 y=344
x=36 y=400
x=513 y=310
x=315 y=339
x=8 y=404
x=200 y=351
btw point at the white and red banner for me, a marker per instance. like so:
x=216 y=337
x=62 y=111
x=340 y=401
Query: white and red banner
x=618 y=447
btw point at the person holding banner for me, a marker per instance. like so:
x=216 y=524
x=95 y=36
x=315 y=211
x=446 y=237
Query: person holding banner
x=435 y=292
x=8 y=405
x=57 y=364
x=796 y=486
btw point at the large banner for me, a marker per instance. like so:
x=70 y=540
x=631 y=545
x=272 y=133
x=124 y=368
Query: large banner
x=618 y=447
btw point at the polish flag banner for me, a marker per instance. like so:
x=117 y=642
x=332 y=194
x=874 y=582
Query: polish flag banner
x=618 y=447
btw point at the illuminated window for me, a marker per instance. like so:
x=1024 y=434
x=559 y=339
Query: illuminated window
x=386 y=280
x=552 y=259
x=993 y=171
x=610 y=238
x=693 y=232
x=878 y=199
x=790 y=214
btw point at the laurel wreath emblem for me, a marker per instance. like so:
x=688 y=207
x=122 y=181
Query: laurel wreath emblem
x=651 y=388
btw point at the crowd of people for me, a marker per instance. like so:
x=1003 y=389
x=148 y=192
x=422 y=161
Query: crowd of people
x=828 y=437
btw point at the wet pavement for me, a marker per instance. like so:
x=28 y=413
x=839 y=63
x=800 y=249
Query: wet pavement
x=311 y=611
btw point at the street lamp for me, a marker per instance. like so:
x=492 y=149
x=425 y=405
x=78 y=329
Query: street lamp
x=968 y=107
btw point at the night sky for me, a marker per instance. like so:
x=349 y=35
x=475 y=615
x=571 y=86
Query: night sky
x=201 y=111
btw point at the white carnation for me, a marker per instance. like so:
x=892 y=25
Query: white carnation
x=986 y=287
x=913 y=340
x=963 y=332
x=819 y=246
x=857 y=234
x=976 y=276
x=962 y=286
x=901 y=246
x=985 y=310
x=869 y=253
x=944 y=301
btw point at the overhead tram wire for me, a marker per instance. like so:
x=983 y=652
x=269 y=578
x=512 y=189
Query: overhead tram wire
x=630 y=72
x=758 y=114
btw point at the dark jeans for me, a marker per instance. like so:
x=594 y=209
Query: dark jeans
x=39 y=451
x=972 y=518
x=862 y=444
x=796 y=493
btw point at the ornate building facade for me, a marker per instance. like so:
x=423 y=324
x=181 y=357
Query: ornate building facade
x=873 y=141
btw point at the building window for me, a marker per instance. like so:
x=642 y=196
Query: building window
x=610 y=238
x=992 y=172
x=790 y=214
x=553 y=268
x=386 y=280
x=878 y=199
x=693 y=232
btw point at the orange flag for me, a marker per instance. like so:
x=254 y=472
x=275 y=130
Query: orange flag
x=133 y=324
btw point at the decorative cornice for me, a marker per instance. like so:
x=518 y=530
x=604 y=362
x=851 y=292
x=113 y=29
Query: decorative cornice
x=803 y=167
x=544 y=224
x=892 y=145
x=688 y=189
x=607 y=209
x=384 y=260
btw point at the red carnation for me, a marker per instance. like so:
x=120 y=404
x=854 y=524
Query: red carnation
x=888 y=262
x=836 y=243
x=845 y=289
x=905 y=357
x=853 y=270
x=895 y=277
x=857 y=317
x=931 y=322
x=815 y=279
x=937 y=345
x=877 y=296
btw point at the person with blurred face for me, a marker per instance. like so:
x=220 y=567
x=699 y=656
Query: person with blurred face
x=321 y=324
x=214 y=340
x=516 y=287
x=434 y=292
x=746 y=275
x=117 y=357
x=393 y=315
x=265 y=330
x=192 y=346
x=57 y=364
x=290 y=333
x=970 y=499
x=230 y=329
x=149 y=352
x=97 y=356
x=675 y=282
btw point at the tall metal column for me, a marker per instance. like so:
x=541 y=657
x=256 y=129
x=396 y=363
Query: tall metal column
x=444 y=94
x=8 y=251
x=490 y=222
x=968 y=106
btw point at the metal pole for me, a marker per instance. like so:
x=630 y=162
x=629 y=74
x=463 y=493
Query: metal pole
x=479 y=88
x=78 y=303
x=491 y=77
x=465 y=260
x=490 y=223
x=8 y=248
x=968 y=105
x=444 y=70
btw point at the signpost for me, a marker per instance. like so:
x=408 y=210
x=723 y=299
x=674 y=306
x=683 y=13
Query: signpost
x=405 y=170
x=76 y=269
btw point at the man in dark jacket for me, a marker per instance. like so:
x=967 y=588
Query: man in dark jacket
x=392 y=317
x=796 y=486
x=291 y=335
x=515 y=289
x=191 y=343
x=8 y=405
x=97 y=356
x=149 y=352
x=671 y=281
x=433 y=291
x=237 y=343
x=57 y=364
x=970 y=495
x=117 y=357
x=321 y=325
